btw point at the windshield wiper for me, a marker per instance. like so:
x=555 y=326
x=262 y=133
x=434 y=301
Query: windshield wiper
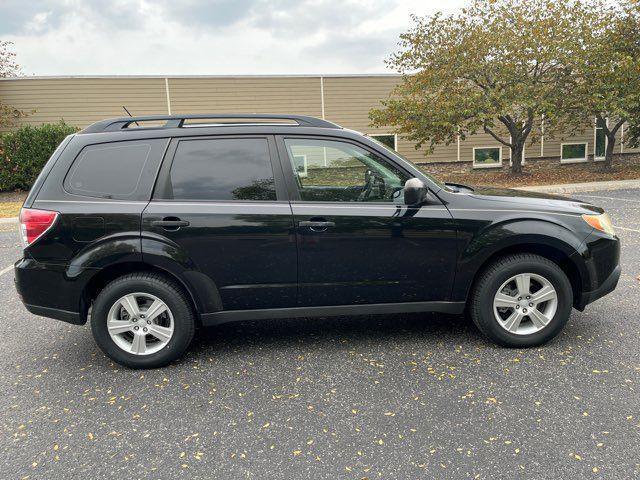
x=456 y=187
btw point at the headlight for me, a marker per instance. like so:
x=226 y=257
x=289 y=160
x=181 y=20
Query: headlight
x=600 y=222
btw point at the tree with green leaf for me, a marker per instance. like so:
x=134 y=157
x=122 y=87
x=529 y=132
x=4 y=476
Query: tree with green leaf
x=613 y=96
x=606 y=73
x=8 y=68
x=498 y=67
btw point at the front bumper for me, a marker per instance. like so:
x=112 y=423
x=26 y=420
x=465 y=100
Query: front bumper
x=606 y=287
x=601 y=257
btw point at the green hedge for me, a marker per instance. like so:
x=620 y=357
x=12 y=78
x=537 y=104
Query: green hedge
x=23 y=153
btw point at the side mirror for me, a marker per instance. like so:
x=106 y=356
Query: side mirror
x=415 y=192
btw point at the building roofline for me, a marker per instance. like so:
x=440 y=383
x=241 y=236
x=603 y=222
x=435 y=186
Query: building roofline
x=116 y=77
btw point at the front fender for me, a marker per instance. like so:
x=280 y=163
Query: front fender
x=508 y=233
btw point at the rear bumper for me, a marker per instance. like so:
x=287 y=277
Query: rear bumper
x=56 y=313
x=46 y=290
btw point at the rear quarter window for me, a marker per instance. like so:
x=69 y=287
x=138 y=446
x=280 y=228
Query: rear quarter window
x=118 y=170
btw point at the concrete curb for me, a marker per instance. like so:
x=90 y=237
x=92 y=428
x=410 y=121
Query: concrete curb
x=583 y=187
x=8 y=220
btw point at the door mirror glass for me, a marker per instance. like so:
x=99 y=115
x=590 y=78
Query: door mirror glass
x=415 y=192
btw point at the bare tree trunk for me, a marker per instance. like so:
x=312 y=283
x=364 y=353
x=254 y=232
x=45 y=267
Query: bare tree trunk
x=608 y=153
x=516 y=156
x=519 y=131
x=610 y=134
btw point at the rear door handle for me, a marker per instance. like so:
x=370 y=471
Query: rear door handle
x=170 y=223
x=316 y=225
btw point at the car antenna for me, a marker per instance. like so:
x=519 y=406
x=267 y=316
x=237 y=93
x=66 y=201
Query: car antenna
x=129 y=113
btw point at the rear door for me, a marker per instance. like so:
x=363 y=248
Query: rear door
x=221 y=202
x=357 y=241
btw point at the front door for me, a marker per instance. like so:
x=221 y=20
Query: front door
x=220 y=208
x=357 y=241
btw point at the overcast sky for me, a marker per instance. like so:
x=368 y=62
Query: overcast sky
x=214 y=37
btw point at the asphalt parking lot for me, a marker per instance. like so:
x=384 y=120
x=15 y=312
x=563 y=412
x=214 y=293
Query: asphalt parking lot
x=404 y=396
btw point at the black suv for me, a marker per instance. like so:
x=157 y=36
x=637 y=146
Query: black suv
x=154 y=226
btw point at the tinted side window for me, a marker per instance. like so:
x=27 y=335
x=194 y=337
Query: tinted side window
x=222 y=169
x=115 y=170
x=333 y=171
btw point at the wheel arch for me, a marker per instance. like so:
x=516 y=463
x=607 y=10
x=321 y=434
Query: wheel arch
x=548 y=239
x=550 y=252
x=106 y=275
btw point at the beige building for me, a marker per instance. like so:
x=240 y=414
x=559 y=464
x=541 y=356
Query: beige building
x=343 y=99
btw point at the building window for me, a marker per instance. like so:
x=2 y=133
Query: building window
x=300 y=164
x=487 y=157
x=387 y=140
x=600 y=140
x=573 y=152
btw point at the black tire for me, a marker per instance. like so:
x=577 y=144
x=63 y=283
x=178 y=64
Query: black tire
x=490 y=280
x=165 y=290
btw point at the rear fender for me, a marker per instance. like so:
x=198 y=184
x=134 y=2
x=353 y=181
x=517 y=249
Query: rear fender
x=108 y=250
x=125 y=250
x=167 y=255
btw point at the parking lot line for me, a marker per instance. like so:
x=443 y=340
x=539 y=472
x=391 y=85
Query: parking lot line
x=612 y=198
x=626 y=229
x=6 y=269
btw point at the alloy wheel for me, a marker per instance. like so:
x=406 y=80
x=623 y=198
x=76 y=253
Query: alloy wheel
x=525 y=303
x=140 y=323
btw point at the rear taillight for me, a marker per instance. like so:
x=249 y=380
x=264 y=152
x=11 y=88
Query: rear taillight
x=34 y=223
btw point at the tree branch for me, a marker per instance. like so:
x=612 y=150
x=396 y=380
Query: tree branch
x=529 y=125
x=490 y=132
x=617 y=126
x=609 y=132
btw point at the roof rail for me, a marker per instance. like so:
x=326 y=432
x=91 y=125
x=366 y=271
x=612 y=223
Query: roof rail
x=178 y=121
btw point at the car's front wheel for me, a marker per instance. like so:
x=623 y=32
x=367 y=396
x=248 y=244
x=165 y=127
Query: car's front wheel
x=521 y=300
x=142 y=320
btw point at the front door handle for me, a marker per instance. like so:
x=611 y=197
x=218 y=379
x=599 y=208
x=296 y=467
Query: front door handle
x=170 y=223
x=316 y=225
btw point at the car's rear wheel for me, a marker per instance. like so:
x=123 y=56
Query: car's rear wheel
x=521 y=300
x=142 y=320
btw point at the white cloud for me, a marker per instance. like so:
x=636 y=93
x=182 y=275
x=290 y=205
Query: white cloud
x=73 y=37
x=38 y=22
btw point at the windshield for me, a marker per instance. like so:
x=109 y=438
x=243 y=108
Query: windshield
x=397 y=154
